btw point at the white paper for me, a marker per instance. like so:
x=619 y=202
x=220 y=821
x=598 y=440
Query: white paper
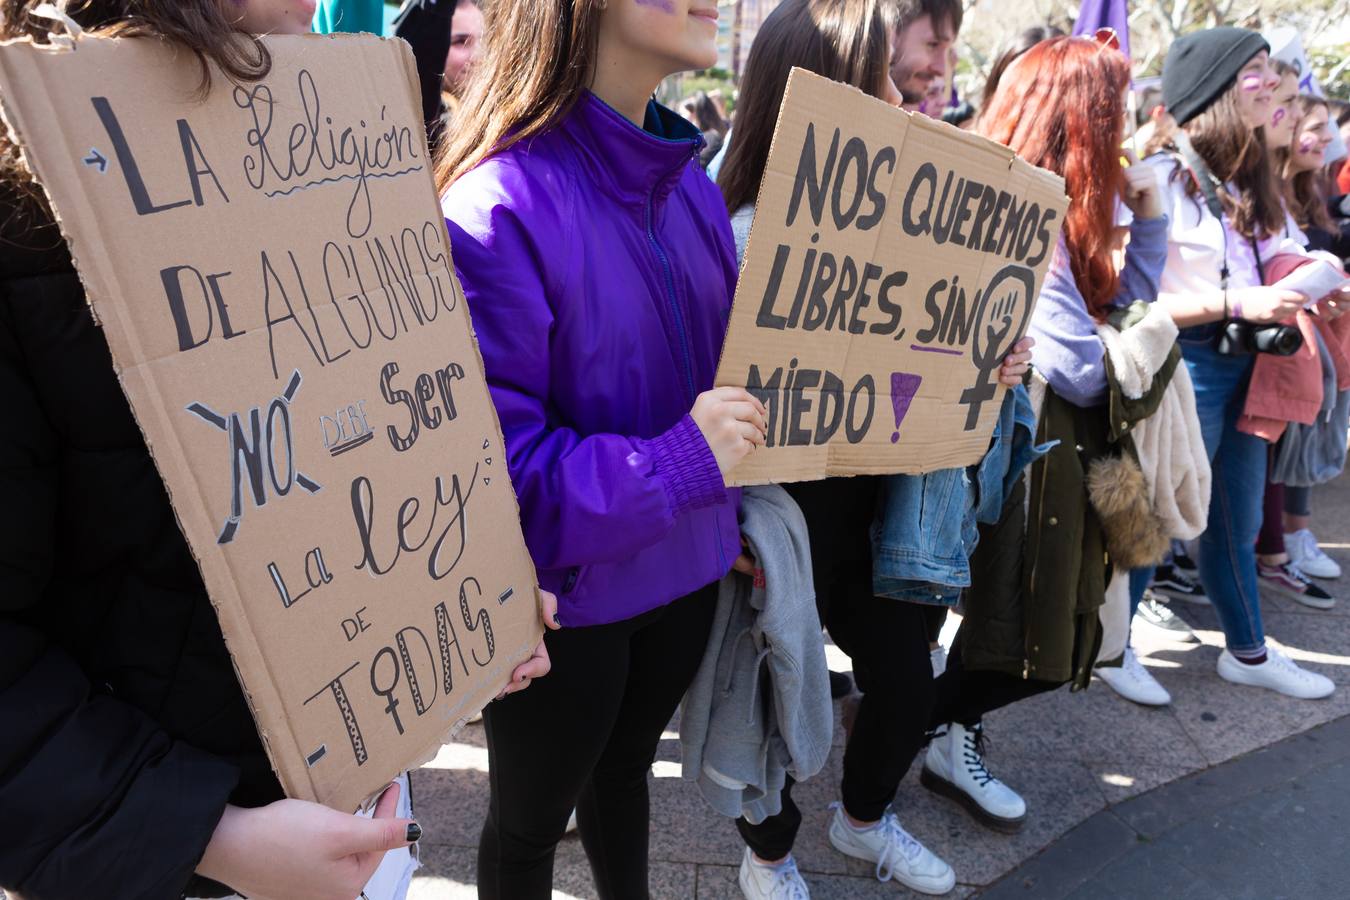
x=1314 y=280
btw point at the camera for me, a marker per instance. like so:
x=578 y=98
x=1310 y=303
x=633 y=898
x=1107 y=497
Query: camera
x=1239 y=337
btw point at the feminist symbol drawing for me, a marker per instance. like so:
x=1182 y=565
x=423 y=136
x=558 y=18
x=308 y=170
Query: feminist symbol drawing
x=253 y=448
x=1006 y=300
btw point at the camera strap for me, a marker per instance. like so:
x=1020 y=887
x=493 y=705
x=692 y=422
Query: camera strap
x=1209 y=186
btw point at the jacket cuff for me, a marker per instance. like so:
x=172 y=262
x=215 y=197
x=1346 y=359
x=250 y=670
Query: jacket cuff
x=687 y=468
x=192 y=816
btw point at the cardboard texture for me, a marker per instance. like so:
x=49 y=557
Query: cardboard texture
x=893 y=263
x=272 y=272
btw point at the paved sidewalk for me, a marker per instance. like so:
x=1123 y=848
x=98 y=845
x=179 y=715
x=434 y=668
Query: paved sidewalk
x=1071 y=755
x=1268 y=825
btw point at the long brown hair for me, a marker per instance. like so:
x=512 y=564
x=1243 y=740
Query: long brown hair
x=1304 y=192
x=1237 y=155
x=846 y=40
x=201 y=26
x=1060 y=106
x=538 y=57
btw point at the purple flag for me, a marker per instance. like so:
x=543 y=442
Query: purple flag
x=1096 y=14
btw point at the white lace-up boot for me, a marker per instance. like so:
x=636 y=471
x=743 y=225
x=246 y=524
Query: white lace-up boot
x=955 y=769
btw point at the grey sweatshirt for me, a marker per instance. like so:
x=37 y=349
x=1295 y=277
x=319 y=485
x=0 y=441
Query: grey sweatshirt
x=739 y=741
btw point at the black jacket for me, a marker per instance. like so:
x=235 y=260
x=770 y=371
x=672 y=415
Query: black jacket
x=123 y=730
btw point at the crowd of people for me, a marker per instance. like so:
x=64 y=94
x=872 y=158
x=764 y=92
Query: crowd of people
x=1165 y=421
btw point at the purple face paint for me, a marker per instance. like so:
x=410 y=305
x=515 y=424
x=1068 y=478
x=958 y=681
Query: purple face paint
x=666 y=6
x=1307 y=143
x=1278 y=117
x=1250 y=83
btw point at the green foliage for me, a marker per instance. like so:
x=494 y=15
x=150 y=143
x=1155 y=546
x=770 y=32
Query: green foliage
x=1329 y=63
x=710 y=80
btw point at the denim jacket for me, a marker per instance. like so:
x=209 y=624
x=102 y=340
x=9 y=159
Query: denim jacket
x=928 y=526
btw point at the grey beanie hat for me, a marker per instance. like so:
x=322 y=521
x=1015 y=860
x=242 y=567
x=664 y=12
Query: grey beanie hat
x=1202 y=65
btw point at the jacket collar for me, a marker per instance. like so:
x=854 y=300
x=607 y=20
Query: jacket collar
x=634 y=164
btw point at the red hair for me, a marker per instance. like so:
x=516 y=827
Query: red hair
x=1060 y=106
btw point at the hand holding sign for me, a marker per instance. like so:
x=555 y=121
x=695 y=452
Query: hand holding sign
x=539 y=664
x=298 y=850
x=1018 y=362
x=732 y=422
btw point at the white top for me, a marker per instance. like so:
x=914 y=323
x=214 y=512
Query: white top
x=741 y=220
x=1196 y=244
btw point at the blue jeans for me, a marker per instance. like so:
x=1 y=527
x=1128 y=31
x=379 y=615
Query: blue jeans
x=1139 y=579
x=1228 y=546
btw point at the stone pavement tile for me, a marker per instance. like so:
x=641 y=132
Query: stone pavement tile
x=1141 y=874
x=1207 y=792
x=1070 y=862
x=1301 y=824
x=448 y=873
x=1227 y=720
x=451 y=805
x=1092 y=726
x=1039 y=726
x=1169 y=660
x=1109 y=728
x=719 y=883
x=685 y=829
x=1314 y=642
x=1120 y=781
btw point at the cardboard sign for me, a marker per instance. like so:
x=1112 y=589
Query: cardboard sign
x=893 y=263
x=273 y=275
x=1286 y=45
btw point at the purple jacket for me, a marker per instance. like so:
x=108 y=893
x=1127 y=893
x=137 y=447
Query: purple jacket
x=599 y=267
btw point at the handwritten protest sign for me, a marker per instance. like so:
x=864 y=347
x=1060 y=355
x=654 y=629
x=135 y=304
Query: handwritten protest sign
x=893 y=263
x=272 y=272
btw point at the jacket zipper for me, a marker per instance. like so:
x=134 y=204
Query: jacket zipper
x=678 y=316
x=1031 y=582
x=670 y=288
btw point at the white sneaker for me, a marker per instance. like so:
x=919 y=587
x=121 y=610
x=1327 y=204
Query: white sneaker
x=938 y=657
x=1304 y=553
x=764 y=882
x=954 y=768
x=1133 y=682
x=896 y=854
x=1278 y=673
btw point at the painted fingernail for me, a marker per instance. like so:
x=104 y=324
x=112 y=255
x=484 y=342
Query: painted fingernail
x=414 y=833
x=556 y=620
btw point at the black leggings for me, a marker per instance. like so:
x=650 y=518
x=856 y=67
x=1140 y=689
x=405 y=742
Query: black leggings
x=888 y=642
x=584 y=737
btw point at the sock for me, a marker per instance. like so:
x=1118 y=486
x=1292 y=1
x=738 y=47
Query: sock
x=768 y=865
x=1250 y=657
x=861 y=829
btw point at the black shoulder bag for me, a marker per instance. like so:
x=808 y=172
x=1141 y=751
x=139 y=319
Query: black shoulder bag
x=1237 y=337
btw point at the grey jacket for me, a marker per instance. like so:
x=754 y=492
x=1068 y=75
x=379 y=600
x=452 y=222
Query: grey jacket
x=739 y=741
